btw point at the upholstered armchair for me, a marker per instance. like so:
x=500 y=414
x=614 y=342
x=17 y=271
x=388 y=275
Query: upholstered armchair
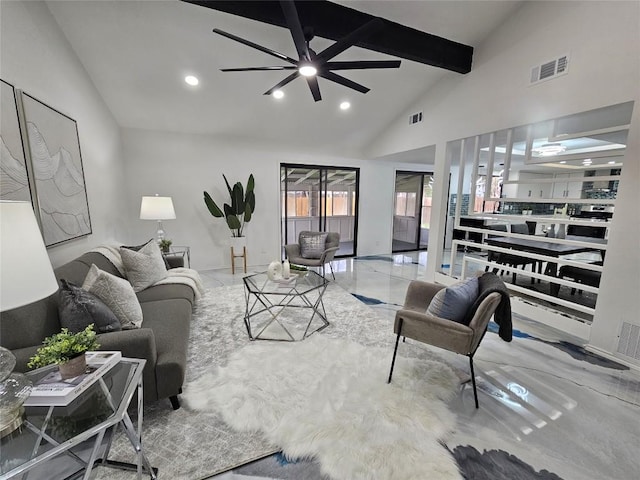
x=314 y=249
x=413 y=321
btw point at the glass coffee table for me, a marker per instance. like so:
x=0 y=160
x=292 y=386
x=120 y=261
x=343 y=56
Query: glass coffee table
x=286 y=311
x=69 y=441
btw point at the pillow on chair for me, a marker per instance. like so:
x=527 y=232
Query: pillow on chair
x=312 y=245
x=453 y=302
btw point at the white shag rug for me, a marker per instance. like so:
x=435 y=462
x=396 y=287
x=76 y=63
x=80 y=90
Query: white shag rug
x=328 y=399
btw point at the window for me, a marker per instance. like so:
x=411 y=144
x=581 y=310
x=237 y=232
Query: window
x=296 y=204
x=406 y=204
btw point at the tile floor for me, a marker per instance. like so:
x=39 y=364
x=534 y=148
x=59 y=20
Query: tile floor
x=542 y=397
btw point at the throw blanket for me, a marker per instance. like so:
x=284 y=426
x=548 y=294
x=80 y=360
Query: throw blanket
x=185 y=276
x=489 y=283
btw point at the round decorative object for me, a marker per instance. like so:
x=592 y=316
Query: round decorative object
x=74 y=367
x=275 y=270
x=14 y=390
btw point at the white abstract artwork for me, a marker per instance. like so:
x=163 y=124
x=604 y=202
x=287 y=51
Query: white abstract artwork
x=14 y=179
x=57 y=167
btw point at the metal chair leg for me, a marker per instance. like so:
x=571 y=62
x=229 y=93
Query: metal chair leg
x=331 y=267
x=473 y=380
x=395 y=351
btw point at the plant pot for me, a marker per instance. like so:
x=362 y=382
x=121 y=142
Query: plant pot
x=237 y=243
x=74 y=367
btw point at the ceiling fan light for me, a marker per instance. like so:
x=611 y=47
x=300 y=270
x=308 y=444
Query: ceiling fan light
x=191 y=80
x=345 y=106
x=278 y=94
x=307 y=70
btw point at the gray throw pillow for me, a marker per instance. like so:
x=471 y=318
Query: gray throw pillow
x=77 y=309
x=117 y=294
x=453 y=302
x=136 y=248
x=144 y=267
x=312 y=245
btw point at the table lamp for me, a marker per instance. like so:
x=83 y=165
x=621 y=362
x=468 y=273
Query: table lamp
x=157 y=208
x=26 y=276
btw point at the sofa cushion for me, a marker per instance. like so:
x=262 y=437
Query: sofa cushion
x=454 y=301
x=312 y=245
x=117 y=294
x=136 y=248
x=78 y=309
x=144 y=267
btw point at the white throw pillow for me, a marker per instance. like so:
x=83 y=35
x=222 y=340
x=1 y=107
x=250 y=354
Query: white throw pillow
x=117 y=294
x=144 y=267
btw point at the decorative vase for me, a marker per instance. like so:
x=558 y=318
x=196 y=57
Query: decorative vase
x=286 y=269
x=562 y=232
x=551 y=233
x=74 y=367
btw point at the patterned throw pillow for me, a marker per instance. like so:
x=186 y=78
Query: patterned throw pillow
x=78 y=309
x=136 y=248
x=312 y=245
x=117 y=294
x=144 y=267
x=453 y=302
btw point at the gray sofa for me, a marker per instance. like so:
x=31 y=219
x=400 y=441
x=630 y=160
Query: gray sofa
x=162 y=339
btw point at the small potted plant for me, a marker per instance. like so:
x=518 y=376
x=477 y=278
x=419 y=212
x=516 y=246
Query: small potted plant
x=165 y=245
x=66 y=350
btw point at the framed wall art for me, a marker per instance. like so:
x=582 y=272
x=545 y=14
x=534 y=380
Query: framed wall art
x=14 y=173
x=56 y=162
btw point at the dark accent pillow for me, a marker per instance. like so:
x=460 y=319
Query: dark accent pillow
x=136 y=248
x=78 y=308
x=453 y=302
x=312 y=245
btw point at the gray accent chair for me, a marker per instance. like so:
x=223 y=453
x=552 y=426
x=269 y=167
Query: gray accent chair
x=332 y=245
x=412 y=321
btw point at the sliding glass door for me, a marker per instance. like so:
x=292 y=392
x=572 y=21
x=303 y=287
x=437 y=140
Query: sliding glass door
x=321 y=199
x=412 y=211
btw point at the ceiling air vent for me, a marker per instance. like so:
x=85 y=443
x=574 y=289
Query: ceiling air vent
x=551 y=69
x=629 y=342
x=415 y=118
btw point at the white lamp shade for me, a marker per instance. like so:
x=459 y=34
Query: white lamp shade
x=157 y=208
x=25 y=269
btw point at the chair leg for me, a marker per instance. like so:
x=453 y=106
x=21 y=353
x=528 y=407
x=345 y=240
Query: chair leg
x=473 y=380
x=395 y=351
x=331 y=267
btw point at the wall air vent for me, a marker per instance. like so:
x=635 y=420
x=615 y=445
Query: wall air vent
x=551 y=69
x=415 y=118
x=629 y=341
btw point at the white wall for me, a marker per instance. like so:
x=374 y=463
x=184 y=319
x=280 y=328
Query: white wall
x=183 y=166
x=602 y=39
x=36 y=57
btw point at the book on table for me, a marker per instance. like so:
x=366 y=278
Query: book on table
x=53 y=390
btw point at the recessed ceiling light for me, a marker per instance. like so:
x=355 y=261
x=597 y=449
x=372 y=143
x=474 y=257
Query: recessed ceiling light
x=307 y=70
x=563 y=161
x=612 y=162
x=278 y=94
x=191 y=80
x=345 y=106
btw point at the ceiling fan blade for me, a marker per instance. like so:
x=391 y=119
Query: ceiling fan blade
x=314 y=87
x=256 y=69
x=334 y=77
x=293 y=22
x=290 y=78
x=248 y=43
x=341 y=45
x=359 y=65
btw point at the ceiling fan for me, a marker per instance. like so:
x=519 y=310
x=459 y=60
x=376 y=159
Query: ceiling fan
x=310 y=64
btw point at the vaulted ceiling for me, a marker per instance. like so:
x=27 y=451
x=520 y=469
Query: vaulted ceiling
x=138 y=53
